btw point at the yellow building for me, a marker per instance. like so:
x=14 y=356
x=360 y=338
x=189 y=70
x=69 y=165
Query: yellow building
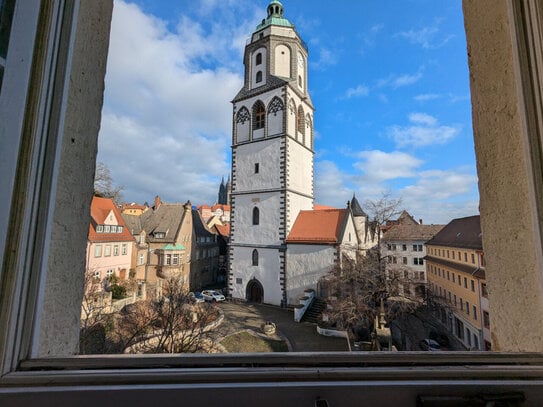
x=456 y=281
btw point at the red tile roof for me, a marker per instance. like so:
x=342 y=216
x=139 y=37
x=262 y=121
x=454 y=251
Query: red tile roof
x=318 y=226
x=134 y=205
x=318 y=207
x=224 y=230
x=100 y=209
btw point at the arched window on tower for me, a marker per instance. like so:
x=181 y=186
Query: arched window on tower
x=259 y=115
x=259 y=76
x=300 y=122
x=255 y=257
x=309 y=126
x=256 y=216
x=258 y=58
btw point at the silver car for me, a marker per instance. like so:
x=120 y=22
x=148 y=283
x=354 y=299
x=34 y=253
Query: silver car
x=212 y=295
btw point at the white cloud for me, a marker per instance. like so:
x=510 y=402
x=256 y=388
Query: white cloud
x=441 y=185
x=422 y=118
x=397 y=81
x=378 y=166
x=439 y=196
x=331 y=184
x=424 y=131
x=360 y=90
x=369 y=37
x=436 y=196
x=325 y=58
x=426 y=97
x=167 y=121
x=405 y=80
x=427 y=37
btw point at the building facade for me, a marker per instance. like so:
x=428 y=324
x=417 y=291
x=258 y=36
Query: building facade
x=403 y=246
x=272 y=157
x=172 y=240
x=456 y=281
x=110 y=243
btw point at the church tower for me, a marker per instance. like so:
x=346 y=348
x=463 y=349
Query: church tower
x=272 y=158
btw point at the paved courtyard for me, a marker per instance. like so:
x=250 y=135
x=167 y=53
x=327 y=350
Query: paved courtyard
x=301 y=337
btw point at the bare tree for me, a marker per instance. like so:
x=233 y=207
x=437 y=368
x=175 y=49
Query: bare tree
x=383 y=210
x=170 y=324
x=104 y=185
x=356 y=289
x=95 y=315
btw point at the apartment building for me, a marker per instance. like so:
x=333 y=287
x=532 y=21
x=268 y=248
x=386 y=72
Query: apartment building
x=456 y=281
x=403 y=248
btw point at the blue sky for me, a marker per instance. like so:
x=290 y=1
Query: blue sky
x=389 y=81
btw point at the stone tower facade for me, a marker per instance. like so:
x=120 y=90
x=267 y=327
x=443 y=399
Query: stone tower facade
x=272 y=158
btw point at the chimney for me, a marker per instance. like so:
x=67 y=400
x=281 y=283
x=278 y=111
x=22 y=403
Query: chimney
x=157 y=202
x=420 y=221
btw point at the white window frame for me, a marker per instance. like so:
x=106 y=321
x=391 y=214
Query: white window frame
x=343 y=379
x=98 y=250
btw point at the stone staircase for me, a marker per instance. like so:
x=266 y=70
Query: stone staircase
x=314 y=311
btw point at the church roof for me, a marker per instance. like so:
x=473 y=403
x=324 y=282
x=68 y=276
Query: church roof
x=272 y=82
x=356 y=208
x=318 y=207
x=275 y=16
x=318 y=227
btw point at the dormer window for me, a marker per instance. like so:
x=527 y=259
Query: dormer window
x=109 y=229
x=159 y=235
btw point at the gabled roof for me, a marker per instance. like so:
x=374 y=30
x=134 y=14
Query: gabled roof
x=406 y=232
x=167 y=219
x=200 y=228
x=318 y=227
x=100 y=210
x=224 y=230
x=134 y=205
x=461 y=232
x=406 y=219
x=133 y=222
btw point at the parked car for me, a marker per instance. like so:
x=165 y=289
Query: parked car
x=440 y=338
x=196 y=297
x=212 y=295
x=429 y=345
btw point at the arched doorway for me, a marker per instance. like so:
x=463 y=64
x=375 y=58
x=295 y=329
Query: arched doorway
x=255 y=291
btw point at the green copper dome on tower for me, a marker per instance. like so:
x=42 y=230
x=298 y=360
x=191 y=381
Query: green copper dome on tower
x=275 y=16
